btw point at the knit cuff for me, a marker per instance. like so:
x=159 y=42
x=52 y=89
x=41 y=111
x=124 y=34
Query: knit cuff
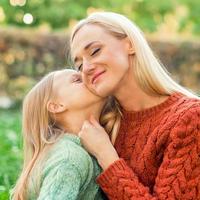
x=105 y=177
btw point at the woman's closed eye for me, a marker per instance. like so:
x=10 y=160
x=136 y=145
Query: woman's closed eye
x=95 y=51
x=79 y=68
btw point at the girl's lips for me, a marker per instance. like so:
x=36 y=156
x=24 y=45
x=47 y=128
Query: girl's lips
x=96 y=76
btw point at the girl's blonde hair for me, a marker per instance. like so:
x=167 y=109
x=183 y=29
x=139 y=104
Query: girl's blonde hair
x=149 y=73
x=40 y=132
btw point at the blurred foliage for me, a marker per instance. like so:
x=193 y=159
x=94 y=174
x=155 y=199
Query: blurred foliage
x=150 y=15
x=25 y=56
x=11 y=150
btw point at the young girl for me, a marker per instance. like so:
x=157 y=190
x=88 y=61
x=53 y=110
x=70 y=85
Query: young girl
x=157 y=154
x=55 y=164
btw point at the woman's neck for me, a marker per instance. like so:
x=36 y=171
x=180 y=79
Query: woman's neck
x=132 y=98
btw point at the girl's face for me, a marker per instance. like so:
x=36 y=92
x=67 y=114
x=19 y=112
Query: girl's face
x=70 y=93
x=102 y=59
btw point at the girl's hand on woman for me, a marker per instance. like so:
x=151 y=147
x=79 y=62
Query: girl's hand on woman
x=97 y=142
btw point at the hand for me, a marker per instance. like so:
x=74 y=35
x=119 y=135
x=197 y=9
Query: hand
x=97 y=142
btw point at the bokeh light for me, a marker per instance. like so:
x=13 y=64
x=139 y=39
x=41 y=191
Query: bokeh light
x=17 y=2
x=28 y=18
x=2 y=15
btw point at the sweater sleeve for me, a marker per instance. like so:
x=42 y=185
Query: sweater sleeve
x=179 y=173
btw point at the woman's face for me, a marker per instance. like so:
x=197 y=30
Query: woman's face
x=102 y=59
x=70 y=92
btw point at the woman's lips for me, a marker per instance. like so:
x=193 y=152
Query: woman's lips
x=96 y=76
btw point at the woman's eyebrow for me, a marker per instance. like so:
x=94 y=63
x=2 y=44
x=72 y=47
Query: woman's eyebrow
x=85 y=48
x=89 y=45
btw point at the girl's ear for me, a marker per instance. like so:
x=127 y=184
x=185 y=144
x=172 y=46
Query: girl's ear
x=129 y=46
x=55 y=107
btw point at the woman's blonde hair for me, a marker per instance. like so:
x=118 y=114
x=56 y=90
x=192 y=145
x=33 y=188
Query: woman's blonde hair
x=149 y=73
x=40 y=132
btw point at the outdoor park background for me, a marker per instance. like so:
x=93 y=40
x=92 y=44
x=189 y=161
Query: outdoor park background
x=34 y=41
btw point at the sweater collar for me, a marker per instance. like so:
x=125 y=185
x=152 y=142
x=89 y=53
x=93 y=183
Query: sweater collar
x=152 y=110
x=73 y=138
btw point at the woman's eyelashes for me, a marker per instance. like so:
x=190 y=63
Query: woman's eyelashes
x=95 y=51
x=79 y=67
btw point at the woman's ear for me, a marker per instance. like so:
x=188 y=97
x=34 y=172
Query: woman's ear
x=129 y=46
x=55 y=107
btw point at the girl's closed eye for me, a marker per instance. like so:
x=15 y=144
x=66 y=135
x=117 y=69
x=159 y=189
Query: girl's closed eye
x=77 y=78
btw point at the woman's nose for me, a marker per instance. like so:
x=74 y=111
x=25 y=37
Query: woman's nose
x=87 y=67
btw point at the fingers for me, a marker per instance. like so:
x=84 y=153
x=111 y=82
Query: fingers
x=86 y=124
x=94 y=122
x=80 y=134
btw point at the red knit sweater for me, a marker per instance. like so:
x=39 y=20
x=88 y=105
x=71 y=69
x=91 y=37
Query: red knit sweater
x=159 y=150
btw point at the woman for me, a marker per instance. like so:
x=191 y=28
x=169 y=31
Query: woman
x=157 y=152
x=55 y=164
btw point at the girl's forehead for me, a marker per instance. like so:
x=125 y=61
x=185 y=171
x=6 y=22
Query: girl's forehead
x=67 y=73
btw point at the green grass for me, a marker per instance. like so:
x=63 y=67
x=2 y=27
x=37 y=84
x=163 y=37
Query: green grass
x=10 y=150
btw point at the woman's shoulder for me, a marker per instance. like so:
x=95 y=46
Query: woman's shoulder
x=186 y=106
x=185 y=116
x=183 y=111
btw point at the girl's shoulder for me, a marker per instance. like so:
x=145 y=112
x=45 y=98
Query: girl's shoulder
x=68 y=149
x=67 y=168
x=67 y=154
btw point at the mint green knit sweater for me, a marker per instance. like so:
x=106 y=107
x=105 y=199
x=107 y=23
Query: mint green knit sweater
x=69 y=173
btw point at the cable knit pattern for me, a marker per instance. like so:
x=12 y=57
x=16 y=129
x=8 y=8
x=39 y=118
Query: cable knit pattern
x=69 y=173
x=159 y=151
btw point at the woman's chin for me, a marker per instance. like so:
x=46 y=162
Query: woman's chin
x=102 y=91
